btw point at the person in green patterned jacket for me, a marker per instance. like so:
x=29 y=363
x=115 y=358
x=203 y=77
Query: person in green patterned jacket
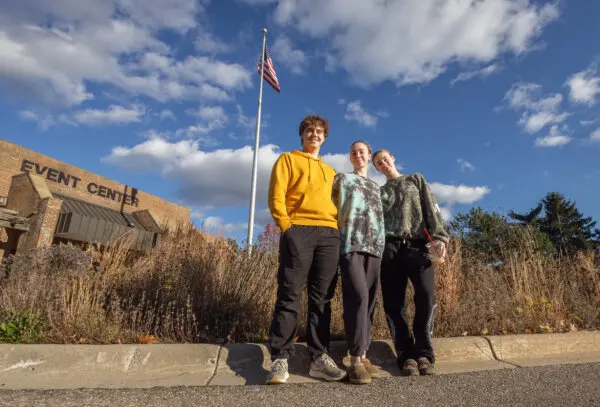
x=362 y=237
x=411 y=213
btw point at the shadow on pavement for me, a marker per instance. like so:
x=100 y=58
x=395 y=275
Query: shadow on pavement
x=381 y=354
x=299 y=364
x=246 y=360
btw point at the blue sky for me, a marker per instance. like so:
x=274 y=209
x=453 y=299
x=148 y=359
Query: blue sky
x=494 y=101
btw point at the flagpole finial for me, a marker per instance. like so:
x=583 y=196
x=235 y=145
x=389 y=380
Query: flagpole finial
x=264 y=30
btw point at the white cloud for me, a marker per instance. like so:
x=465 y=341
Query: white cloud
x=248 y=123
x=339 y=162
x=595 y=136
x=113 y=115
x=446 y=213
x=152 y=133
x=216 y=224
x=587 y=122
x=44 y=123
x=221 y=178
x=167 y=114
x=28 y=115
x=483 y=73
x=465 y=165
x=179 y=15
x=355 y=113
x=413 y=41
x=211 y=118
x=217 y=178
x=554 y=139
x=206 y=42
x=197 y=215
x=537 y=111
x=52 y=51
x=283 y=52
x=584 y=86
x=462 y=194
x=210 y=113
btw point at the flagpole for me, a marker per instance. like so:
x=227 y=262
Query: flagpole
x=256 y=144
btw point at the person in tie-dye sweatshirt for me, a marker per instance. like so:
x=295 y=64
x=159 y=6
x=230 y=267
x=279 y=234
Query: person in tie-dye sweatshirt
x=362 y=239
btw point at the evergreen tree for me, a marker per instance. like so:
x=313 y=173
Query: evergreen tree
x=482 y=233
x=531 y=218
x=491 y=234
x=566 y=227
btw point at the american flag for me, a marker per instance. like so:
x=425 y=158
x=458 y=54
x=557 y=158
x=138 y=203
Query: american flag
x=269 y=74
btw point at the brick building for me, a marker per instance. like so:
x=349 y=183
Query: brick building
x=45 y=201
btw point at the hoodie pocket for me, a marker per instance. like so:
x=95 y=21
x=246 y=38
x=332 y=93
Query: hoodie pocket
x=296 y=207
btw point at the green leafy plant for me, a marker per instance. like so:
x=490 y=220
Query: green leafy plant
x=22 y=327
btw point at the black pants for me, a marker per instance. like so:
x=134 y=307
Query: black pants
x=360 y=283
x=403 y=261
x=305 y=253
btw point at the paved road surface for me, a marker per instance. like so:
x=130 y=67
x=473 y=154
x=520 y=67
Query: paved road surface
x=551 y=386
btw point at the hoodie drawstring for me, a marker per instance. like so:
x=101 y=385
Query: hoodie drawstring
x=310 y=169
x=323 y=170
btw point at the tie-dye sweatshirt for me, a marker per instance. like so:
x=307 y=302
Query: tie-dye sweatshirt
x=409 y=206
x=360 y=214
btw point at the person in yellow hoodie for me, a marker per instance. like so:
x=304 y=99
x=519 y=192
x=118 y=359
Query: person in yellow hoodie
x=301 y=205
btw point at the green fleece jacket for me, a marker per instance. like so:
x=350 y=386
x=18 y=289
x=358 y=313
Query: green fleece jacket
x=409 y=206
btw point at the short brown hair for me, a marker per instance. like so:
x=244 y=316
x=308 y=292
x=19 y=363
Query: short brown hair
x=314 y=120
x=361 y=142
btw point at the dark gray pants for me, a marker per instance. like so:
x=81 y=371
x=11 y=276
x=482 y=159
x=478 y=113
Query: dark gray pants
x=360 y=283
x=305 y=253
x=403 y=261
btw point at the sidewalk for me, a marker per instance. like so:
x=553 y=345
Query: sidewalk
x=145 y=366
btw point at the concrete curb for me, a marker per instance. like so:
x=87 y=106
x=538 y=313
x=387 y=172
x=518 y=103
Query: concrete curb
x=106 y=366
x=545 y=349
x=145 y=366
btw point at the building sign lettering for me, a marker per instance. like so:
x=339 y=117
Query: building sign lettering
x=93 y=188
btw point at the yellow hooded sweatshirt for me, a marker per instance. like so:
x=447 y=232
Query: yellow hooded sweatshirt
x=300 y=191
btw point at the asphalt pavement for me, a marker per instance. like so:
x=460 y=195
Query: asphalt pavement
x=548 y=386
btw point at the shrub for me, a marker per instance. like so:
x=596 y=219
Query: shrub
x=194 y=287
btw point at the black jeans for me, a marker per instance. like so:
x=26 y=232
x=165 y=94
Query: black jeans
x=360 y=284
x=403 y=261
x=305 y=253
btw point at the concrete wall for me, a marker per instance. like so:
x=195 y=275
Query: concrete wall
x=71 y=181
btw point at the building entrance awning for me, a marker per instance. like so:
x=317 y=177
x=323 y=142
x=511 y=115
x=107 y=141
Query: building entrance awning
x=86 y=222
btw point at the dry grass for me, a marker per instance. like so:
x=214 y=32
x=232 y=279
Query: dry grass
x=195 y=288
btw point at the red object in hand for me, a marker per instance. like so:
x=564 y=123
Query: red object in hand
x=431 y=240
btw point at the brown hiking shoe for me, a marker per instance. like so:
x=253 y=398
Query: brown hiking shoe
x=358 y=374
x=373 y=371
x=426 y=367
x=410 y=368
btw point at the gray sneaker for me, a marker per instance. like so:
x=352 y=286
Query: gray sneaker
x=326 y=369
x=279 y=372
